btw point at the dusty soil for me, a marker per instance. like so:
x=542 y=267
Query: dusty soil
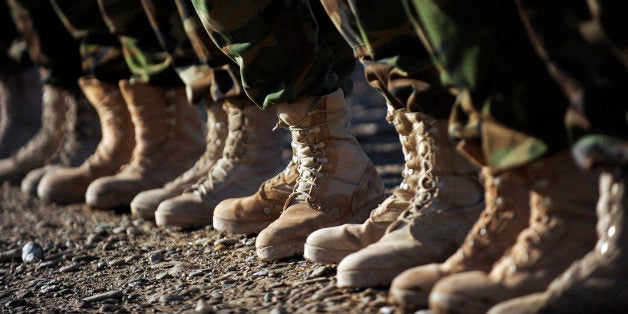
x=104 y=261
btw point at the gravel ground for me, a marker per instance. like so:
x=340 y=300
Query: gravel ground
x=85 y=260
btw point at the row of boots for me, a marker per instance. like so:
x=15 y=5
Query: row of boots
x=450 y=236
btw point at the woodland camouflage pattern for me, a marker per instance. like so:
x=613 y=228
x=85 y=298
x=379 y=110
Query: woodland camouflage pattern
x=396 y=64
x=283 y=53
x=47 y=42
x=509 y=111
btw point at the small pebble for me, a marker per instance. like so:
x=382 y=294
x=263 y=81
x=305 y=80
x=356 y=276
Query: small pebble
x=132 y=231
x=386 y=310
x=32 y=252
x=161 y=276
x=69 y=268
x=226 y=241
x=155 y=258
x=203 y=307
x=167 y=298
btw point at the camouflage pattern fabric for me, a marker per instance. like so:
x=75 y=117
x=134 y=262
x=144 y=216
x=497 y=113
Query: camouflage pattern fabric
x=509 y=111
x=581 y=45
x=211 y=73
x=284 y=54
x=144 y=54
x=395 y=62
x=101 y=53
x=10 y=39
x=47 y=41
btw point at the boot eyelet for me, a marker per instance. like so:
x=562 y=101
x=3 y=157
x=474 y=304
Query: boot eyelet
x=277 y=207
x=604 y=248
x=266 y=210
x=611 y=231
x=483 y=231
x=499 y=201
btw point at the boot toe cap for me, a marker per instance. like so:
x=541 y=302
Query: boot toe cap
x=146 y=203
x=31 y=180
x=186 y=210
x=412 y=287
x=110 y=192
x=63 y=186
x=473 y=291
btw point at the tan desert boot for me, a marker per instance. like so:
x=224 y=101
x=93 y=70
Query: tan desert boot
x=56 y=103
x=506 y=214
x=145 y=204
x=252 y=154
x=68 y=185
x=78 y=144
x=251 y=214
x=447 y=203
x=331 y=245
x=337 y=182
x=561 y=230
x=598 y=283
x=169 y=139
x=20 y=109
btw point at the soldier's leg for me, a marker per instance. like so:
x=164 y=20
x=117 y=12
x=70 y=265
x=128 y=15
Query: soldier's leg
x=399 y=67
x=285 y=62
x=513 y=112
x=52 y=48
x=578 y=45
x=240 y=144
x=20 y=107
x=168 y=132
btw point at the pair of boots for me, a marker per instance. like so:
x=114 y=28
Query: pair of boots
x=65 y=136
x=242 y=151
x=150 y=135
x=597 y=283
x=507 y=255
x=328 y=182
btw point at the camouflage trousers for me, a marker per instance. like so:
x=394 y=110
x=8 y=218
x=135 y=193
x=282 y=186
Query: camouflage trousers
x=10 y=59
x=286 y=50
x=46 y=41
x=585 y=49
x=138 y=44
x=395 y=62
x=509 y=111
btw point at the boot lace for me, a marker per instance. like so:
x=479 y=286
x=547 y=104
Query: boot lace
x=210 y=151
x=310 y=155
x=427 y=182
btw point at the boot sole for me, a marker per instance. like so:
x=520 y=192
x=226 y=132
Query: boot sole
x=181 y=221
x=233 y=227
x=272 y=253
x=322 y=255
x=296 y=248
x=330 y=256
x=409 y=299
x=367 y=278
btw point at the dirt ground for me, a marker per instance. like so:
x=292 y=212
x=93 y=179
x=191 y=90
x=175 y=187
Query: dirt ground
x=104 y=261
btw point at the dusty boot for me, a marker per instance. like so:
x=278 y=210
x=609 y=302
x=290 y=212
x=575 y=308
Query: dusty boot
x=20 y=109
x=169 y=139
x=337 y=182
x=68 y=185
x=331 y=245
x=447 y=203
x=598 y=283
x=145 y=204
x=251 y=214
x=506 y=214
x=561 y=230
x=251 y=155
x=78 y=144
x=48 y=140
